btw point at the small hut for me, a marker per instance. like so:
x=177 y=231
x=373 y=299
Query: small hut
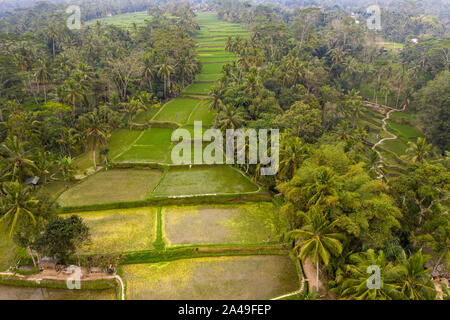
x=47 y=264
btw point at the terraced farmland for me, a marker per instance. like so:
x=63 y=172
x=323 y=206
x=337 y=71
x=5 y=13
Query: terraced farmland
x=243 y=256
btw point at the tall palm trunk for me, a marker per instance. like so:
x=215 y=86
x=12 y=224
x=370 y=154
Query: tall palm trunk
x=317 y=277
x=45 y=92
x=53 y=46
x=94 y=158
x=30 y=252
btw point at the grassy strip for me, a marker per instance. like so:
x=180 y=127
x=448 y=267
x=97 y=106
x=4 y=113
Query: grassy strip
x=163 y=124
x=190 y=252
x=98 y=284
x=299 y=268
x=162 y=201
x=159 y=244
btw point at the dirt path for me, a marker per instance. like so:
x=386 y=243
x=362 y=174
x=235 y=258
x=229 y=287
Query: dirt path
x=311 y=275
x=383 y=127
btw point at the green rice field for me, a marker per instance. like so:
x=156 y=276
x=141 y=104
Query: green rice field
x=116 y=185
x=248 y=277
x=204 y=180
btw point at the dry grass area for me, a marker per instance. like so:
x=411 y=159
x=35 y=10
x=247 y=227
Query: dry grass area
x=249 y=223
x=249 y=277
x=120 y=230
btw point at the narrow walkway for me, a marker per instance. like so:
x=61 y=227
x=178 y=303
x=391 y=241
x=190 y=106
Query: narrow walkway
x=383 y=127
x=122 y=286
x=292 y=293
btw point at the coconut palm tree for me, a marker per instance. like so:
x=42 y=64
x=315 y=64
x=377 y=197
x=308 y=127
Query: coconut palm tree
x=132 y=108
x=216 y=97
x=17 y=204
x=164 y=72
x=292 y=154
x=322 y=187
x=355 y=283
x=17 y=158
x=42 y=74
x=317 y=239
x=148 y=69
x=414 y=280
x=51 y=34
x=418 y=151
x=95 y=133
x=229 y=118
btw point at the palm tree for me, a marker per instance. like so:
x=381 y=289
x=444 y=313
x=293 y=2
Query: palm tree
x=164 y=72
x=67 y=167
x=355 y=286
x=42 y=74
x=414 y=280
x=418 y=151
x=72 y=92
x=322 y=187
x=354 y=103
x=216 y=97
x=17 y=158
x=51 y=34
x=17 y=201
x=187 y=68
x=148 y=69
x=292 y=154
x=133 y=108
x=317 y=239
x=229 y=118
x=95 y=133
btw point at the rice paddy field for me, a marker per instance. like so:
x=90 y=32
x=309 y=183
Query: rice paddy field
x=116 y=185
x=151 y=145
x=247 y=277
x=124 y=185
x=252 y=223
x=177 y=110
x=119 y=230
x=203 y=180
x=124 y=20
x=30 y=293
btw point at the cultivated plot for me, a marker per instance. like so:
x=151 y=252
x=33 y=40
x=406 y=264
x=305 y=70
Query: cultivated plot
x=116 y=185
x=177 y=110
x=248 y=277
x=153 y=145
x=120 y=230
x=212 y=68
x=254 y=223
x=199 y=87
x=120 y=140
x=30 y=293
x=203 y=180
x=202 y=113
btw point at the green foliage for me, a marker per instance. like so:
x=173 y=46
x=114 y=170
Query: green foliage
x=328 y=181
x=62 y=237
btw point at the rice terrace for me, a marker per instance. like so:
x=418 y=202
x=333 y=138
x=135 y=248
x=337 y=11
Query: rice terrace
x=355 y=120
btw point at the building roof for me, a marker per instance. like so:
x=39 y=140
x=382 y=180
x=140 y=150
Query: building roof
x=32 y=180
